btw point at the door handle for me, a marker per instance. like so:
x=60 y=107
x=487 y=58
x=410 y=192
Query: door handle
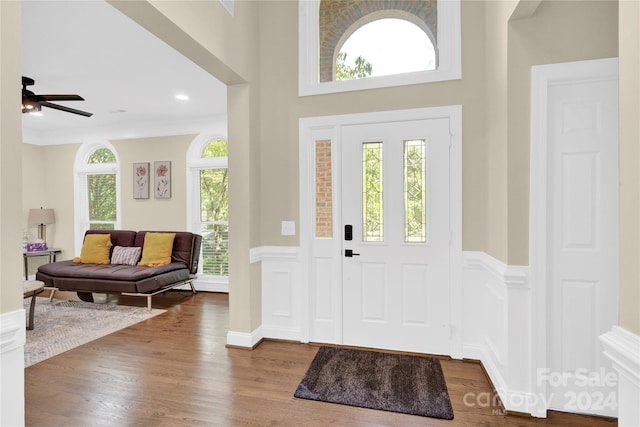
x=349 y=253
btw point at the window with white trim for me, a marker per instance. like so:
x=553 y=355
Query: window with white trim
x=209 y=205
x=326 y=26
x=97 y=189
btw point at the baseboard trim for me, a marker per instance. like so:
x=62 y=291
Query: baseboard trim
x=282 y=333
x=247 y=340
x=204 y=286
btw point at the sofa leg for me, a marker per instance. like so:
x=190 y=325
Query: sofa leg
x=85 y=296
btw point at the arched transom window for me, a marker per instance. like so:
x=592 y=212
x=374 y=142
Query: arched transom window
x=390 y=35
x=399 y=42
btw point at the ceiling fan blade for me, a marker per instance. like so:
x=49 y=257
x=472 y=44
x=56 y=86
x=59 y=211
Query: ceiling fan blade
x=67 y=109
x=60 y=98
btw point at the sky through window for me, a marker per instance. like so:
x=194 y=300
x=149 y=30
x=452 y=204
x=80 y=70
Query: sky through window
x=392 y=46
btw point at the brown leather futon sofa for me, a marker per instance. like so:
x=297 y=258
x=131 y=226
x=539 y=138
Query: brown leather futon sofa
x=86 y=278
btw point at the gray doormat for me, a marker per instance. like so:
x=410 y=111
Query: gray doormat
x=391 y=382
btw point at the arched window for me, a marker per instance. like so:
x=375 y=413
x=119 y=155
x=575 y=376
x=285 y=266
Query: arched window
x=326 y=27
x=208 y=208
x=97 y=190
x=385 y=47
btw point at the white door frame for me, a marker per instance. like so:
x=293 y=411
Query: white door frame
x=542 y=77
x=330 y=126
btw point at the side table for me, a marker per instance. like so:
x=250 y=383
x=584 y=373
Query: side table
x=51 y=253
x=31 y=288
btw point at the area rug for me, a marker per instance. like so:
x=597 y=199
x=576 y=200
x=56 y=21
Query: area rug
x=62 y=325
x=392 y=382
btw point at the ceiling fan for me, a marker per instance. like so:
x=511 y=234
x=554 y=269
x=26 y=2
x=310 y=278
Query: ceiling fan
x=32 y=102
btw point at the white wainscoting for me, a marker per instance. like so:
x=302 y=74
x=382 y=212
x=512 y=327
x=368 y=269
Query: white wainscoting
x=496 y=317
x=623 y=348
x=497 y=326
x=281 y=292
x=12 y=340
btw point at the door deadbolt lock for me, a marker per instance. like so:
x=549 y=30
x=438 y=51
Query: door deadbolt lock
x=348 y=232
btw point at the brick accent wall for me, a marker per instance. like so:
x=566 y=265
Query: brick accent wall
x=341 y=18
x=324 y=195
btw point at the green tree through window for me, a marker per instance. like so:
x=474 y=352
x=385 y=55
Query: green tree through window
x=360 y=70
x=214 y=212
x=101 y=192
x=102 y=155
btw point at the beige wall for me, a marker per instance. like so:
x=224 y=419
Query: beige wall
x=10 y=165
x=496 y=16
x=47 y=180
x=34 y=186
x=629 y=159
x=154 y=214
x=281 y=108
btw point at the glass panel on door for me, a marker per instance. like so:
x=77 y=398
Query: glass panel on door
x=415 y=191
x=372 y=196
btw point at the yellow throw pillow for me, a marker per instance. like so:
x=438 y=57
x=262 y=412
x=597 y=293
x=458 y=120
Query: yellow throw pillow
x=95 y=249
x=157 y=249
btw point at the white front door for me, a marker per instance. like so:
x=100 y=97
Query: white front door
x=396 y=235
x=582 y=244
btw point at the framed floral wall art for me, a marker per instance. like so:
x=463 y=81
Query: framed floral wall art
x=141 y=180
x=162 y=183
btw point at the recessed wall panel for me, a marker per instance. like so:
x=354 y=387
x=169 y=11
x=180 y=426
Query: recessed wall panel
x=415 y=283
x=580 y=117
x=579 y=314
x=373 y=291
x=580 y=200
x=282 y=293
x=323 y=276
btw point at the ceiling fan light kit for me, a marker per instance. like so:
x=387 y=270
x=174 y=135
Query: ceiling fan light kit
x=32 y=102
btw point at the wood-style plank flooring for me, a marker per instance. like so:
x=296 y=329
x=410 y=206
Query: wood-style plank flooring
x=174 y=370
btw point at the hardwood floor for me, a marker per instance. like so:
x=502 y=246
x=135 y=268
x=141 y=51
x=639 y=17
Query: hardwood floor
x=174 y=370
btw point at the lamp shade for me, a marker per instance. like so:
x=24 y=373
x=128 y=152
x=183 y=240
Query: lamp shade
x=41 y=216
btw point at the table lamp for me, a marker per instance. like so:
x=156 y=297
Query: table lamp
x=41 y=217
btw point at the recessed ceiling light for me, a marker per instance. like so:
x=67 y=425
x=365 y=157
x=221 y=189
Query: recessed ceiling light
x=182 y=97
